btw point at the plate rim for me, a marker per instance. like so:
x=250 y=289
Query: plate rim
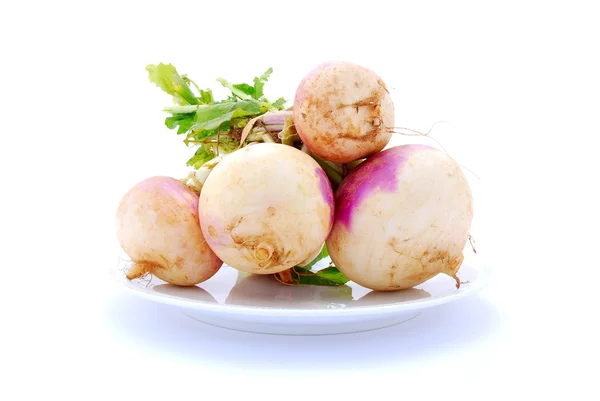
x=484 y=277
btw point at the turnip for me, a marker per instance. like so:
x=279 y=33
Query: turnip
x=158 y=228
x=266 y=208
x=402 y=217
x=343 y=112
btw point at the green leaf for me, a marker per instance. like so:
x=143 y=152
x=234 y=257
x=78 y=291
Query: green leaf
x=166 y=77
x=211 y=117
x=206 y=96
x=247 y=89
x=332 y=274
x=259 y=83
x=202 y=133
x=184 y=126
x=235 y=91
x=306 y=277
x=329 y=276
x=280 y=103
x=202 y=155
x=183 y=121
x=265 y=76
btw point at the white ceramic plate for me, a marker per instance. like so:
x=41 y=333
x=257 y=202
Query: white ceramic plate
x=261 y=304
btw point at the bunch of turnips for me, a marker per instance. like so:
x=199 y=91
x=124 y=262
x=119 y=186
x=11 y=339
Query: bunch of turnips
x=273 y=190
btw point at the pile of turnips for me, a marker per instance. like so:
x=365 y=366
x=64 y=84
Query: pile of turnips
x=272 y=190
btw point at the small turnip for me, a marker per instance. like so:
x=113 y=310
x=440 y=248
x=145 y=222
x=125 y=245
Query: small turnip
x=266 y=208
x=402 y=217
x=343 y=112
x=158 y=228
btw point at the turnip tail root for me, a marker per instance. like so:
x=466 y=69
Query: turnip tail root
x=285 y=277
x=412 y=132
x=451 y=271
x=472 y=242
x=140 y=269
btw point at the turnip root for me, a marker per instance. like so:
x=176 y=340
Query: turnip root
x=158 y=228
x=402 y=217
x=266 y=208
x=343 y=112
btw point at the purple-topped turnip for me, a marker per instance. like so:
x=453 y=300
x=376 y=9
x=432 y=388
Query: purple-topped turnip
x=402 y=217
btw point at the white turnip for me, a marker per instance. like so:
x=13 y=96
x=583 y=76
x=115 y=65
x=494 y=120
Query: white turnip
x=343 y=112
x=266 y=208
x=158 y=228
x=402 y=217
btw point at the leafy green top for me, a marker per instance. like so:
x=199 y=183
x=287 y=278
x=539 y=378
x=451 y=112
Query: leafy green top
x=212 y=125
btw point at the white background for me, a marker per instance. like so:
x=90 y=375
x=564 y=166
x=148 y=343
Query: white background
x=80 y=124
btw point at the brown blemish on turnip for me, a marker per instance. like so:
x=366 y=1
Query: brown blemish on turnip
x=370 y=101
x=233 y=224
x=366 y=137
x=212 y=231
x=443 y=256
x=392 y=273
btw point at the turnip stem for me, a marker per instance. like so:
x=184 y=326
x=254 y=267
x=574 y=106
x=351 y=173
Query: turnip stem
x=181 y=109
x=331 y=172
x=256 y=136
x=276 y=117
x=274 y=127
x=335 y=166
x=354 y=164
x=268 y=138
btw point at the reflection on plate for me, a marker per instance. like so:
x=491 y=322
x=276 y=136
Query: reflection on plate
x=256 y=303
x=379 y=298
x=194 y=293
x=265 y=291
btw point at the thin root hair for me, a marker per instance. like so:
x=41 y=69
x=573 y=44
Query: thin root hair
x=472 y=243
x=412 y=132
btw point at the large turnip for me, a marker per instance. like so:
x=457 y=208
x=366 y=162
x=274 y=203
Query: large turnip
x=158 y=228
x=402 y=217
x=266 y=208
x=343 y=112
